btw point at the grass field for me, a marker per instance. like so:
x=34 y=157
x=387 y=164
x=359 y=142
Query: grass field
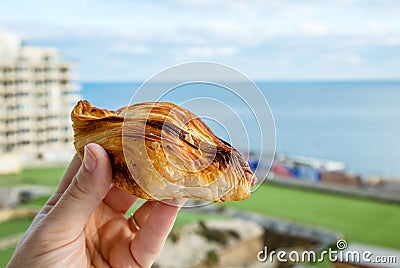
x=14 y=226
x=5 y=255
x=360 y=220
x=38 y=176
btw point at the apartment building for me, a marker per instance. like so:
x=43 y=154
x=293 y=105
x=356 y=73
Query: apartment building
x=36 y=98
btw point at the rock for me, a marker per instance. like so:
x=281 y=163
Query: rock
x=213 y=243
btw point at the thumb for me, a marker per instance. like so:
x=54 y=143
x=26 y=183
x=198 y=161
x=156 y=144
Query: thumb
x=86 y=191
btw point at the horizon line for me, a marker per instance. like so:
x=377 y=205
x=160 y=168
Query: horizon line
x=374 y=80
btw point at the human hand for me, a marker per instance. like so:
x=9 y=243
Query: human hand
x=83 y=224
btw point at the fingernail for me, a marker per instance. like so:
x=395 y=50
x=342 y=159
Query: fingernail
x=89 y=161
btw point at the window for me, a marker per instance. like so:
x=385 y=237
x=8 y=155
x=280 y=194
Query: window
x=51 y=128
x=23 y=130
x=24 y=142
x=10 y=147
x=22 y=68
x=52 y=140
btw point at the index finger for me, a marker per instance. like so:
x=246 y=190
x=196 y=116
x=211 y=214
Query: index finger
x=150 y=239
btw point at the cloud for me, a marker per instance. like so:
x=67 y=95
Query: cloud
x=344 y=58
x=211 y=51
x=276 y=38
x=127 y=48
x=390 y=41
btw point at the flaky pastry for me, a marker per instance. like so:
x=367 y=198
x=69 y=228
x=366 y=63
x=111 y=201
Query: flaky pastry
x=159 y=150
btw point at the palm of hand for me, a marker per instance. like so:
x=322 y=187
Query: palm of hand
x=84 y=225
x=107 y=239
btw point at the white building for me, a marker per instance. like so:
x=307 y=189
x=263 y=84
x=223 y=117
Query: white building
x=36 y=99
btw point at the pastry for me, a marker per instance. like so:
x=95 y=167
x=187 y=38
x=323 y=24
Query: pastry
x=159 y=150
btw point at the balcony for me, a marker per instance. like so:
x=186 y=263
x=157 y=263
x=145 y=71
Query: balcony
x=11 y=103
x=26 y=75
x=40 y=90
x=65 y=76
x=8 y=85
x=39 y=76
x=71 y=87
x=9 y=75
x=3 y=140
x=52 y=75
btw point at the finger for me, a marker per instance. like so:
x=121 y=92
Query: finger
x=86 y=191
x=119 y=200
x=66 y=180
x=69 y=174
x=148 y=242
x=141 y=214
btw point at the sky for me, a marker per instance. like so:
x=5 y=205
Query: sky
x=266 y=40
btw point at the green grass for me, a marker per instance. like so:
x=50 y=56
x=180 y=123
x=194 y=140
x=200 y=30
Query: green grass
x=5 y=255
x=39 y=176
x=14 y=226
x=35 y=203
x=360 y=220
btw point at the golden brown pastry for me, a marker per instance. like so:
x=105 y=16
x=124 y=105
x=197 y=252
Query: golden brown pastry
x=159 y=150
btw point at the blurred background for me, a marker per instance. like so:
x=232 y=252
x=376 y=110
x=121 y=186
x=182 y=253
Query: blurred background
x=329 y=70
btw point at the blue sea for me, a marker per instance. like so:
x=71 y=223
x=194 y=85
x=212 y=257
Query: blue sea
x=357 y=123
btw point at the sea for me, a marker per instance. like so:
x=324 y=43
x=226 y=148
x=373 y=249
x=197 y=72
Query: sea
x=355 y=122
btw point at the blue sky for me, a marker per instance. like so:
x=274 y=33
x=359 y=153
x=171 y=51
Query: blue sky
x=267 y=40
